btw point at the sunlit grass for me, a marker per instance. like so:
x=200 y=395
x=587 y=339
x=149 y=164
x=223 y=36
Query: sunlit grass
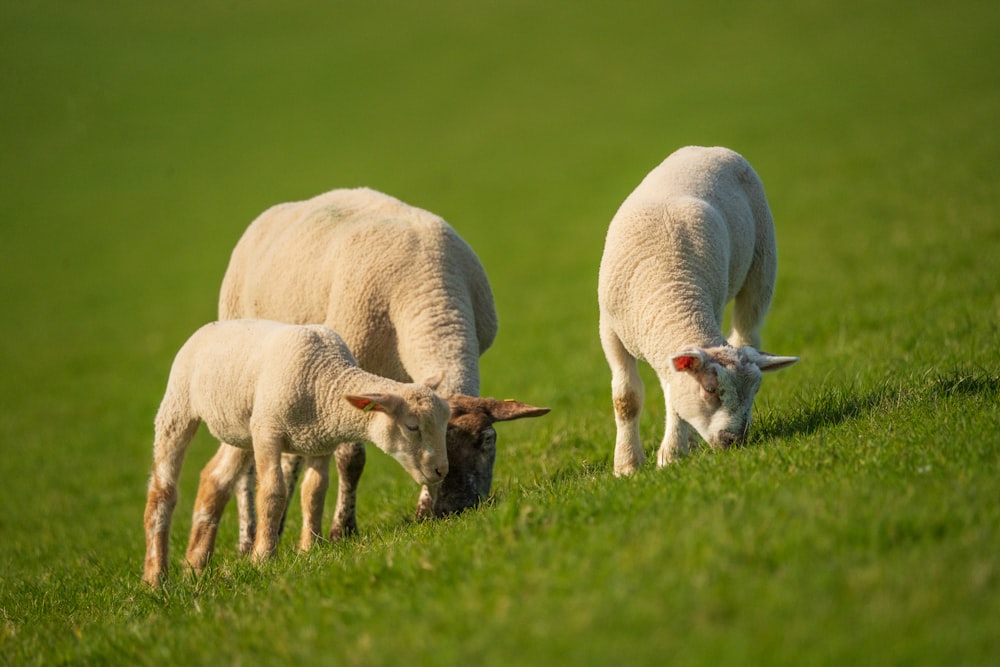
x=859 y=525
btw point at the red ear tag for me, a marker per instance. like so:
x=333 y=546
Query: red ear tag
x=683 y=363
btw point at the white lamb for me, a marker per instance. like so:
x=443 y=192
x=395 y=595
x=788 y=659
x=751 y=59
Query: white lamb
x=695 y=234
x=410 y=298
x=269 y=388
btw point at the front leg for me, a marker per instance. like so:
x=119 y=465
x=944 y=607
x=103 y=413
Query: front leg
x=678 y=436
x=627 y=396
x=315 y=482
x=350 y=458
x=245 y=501
x=426 y=501
x=291 y=466
x=271 y=493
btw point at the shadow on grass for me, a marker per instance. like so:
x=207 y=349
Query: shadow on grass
x=834 y=405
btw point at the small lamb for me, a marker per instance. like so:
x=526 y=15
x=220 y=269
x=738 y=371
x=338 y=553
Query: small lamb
x=410 y=298
x=695 y=234
x=267 y=388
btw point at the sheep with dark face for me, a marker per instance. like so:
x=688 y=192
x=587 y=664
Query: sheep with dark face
x=410 y=298
x=695 y=234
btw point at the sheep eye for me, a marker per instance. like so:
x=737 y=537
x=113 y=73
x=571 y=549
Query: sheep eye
x=710 y=390
x=412 y=429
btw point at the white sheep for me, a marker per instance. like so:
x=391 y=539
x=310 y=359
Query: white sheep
x=266 y=388
x=410 y=298
x=695 y=234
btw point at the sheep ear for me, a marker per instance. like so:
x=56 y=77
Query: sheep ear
x=509 y=410
x=374 y=402
x=772 y=362
x=434 y=381
x=689 y=360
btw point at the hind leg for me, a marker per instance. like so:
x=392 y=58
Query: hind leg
x=169 y=446
x=215 y=486
x=754 y=298
x=627 y=396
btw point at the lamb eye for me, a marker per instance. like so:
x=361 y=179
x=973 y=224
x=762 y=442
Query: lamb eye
x=412 y=429
x=710 y=390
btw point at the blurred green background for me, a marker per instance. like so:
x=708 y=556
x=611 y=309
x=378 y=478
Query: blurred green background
x=137 y=141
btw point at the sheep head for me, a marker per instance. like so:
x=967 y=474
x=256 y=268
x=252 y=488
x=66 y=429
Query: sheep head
x=471 y=453
x=712 y=389
x=413 y=430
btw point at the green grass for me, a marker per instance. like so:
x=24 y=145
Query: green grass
x=860 y=525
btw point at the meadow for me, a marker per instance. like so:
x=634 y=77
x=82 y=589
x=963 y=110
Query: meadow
x=860 y=525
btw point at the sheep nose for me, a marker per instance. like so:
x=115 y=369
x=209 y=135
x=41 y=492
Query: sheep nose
x=727 y=439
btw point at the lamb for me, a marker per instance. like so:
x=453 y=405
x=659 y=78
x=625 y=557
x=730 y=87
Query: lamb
x=410 y=298
x=695 y=234
x=265 y=388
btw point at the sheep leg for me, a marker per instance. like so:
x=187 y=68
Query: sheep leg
x=677 y=434
x=315 y=482
x=173 y=435
x=425 y=502
x=245 y=507
x=271 y=493
x=627 y=395
x=350 y=459
x=752 y=301
x=291 y=466
x=245 y=499
x=215 y=487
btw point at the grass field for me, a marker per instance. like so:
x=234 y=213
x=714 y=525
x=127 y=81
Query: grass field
x=861 y=525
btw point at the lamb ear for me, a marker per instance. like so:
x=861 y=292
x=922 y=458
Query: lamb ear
x=377 y=402
x=689 y=360
x=509 y=410
x=772 y=362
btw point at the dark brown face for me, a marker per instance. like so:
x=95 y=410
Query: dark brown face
x=472 y=449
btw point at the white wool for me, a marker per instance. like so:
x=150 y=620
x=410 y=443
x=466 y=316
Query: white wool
x=239 y=377
x=274 y=388
x=421 y=307
x=695 y=234
x=404 y=290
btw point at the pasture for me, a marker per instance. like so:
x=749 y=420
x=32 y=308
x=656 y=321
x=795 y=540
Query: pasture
x=861 y=524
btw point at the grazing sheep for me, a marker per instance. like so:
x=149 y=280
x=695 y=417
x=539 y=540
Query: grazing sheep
x=695 y=234
x=410 y=298
x=265 y=388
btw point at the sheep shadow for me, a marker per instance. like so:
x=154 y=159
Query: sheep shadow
x=833 y=406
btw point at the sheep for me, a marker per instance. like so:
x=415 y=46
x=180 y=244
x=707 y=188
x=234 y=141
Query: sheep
x=410 y=298
x=266 y=388
x=695 y=234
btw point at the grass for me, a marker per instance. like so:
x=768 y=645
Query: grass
x=860 y=525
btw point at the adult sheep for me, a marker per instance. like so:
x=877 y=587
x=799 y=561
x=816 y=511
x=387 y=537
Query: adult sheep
x=695 y=234
x=265 y=388
x=412 y=301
